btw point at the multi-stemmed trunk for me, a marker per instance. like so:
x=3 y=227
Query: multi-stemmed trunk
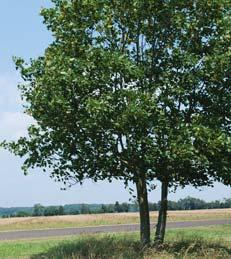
x=162 y=217
x=142 y=196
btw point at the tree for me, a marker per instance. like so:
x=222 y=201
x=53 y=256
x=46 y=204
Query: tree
x=117 y=207
x=190 y=203
x=23 y=214
x=61 y=210
x=196 y=146
x=125 y=207
x=132 y=90
x=84 y=209
x=103 y=208
x=53 y=210
x=38 y=210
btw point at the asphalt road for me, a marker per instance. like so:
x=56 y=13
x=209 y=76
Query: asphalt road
x=24 y=234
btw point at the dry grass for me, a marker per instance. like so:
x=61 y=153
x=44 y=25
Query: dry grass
x=199 y=214
x=105 y=219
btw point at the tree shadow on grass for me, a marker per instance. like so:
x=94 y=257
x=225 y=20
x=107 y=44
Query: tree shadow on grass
x=112 y=247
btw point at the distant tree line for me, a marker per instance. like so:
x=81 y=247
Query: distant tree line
x=188 y=203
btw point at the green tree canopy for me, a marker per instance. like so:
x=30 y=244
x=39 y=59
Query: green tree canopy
x=133 y=90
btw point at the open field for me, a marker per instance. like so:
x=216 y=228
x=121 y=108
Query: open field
x=202 y=242
x=27 y=223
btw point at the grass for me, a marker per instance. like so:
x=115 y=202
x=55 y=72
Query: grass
x=28 y=223
x=202 y=242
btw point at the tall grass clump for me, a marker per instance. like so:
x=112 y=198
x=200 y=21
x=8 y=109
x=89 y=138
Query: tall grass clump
x=117 y=247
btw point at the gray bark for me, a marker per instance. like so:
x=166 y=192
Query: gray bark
x=162 y=217
x=142 y=196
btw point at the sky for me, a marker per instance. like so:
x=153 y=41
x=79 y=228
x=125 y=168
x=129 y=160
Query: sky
x=23 y=34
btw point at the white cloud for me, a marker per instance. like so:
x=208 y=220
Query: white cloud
x=13 y=122
x=9 y=94
x=13 y=125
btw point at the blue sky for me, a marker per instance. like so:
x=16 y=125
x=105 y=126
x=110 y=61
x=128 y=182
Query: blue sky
x=23 y=34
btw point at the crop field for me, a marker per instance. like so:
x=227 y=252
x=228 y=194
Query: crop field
x=26 y=223
x=203 y=242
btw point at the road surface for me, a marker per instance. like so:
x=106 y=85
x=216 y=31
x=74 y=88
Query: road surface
x=24 y=234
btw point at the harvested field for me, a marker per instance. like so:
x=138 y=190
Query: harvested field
x=105 y=219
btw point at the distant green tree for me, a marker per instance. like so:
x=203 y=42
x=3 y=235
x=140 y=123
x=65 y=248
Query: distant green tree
x=190 y=203
x=173 y=205
x=53 y=210
x=153 y=206
x=117 y=207
x=214 y=204
x=84 y=209
x=135 y=205
x=22 y=214
x=61 y=210
x=103 y=208
x=125 y=207
x=38 y=210
x=73 y=212
x=111 y=208
x=227 y=203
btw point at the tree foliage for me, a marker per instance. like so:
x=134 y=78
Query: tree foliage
x=133 y=90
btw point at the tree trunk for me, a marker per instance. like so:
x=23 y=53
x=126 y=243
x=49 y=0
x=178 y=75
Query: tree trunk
x=142 y=196
x=162 y=217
